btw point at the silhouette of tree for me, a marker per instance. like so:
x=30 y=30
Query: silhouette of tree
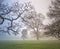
x=54 y=12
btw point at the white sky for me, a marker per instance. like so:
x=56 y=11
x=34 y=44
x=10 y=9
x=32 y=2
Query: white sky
x=41 y=6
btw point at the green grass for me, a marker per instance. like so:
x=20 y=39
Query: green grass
x=30 y=44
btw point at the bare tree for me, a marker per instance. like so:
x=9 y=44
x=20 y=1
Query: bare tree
x=33 y=20
x=54 y=12
x=8 y=14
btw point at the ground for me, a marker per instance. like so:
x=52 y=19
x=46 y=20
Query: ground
x=30 y=44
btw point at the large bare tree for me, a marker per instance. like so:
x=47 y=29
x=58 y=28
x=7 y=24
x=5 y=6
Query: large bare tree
x=33 y=20
x=11 y=14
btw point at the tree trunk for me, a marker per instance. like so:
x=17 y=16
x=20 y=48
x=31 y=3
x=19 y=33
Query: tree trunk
x=37 y=35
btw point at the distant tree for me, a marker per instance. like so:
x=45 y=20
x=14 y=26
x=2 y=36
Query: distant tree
x=54 y=12
x=33 y=20
x=24 y=34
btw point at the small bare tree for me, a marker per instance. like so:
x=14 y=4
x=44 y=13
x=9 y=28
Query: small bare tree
x=24 y=34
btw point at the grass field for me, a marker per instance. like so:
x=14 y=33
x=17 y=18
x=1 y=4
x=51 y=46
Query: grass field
x=30 y=44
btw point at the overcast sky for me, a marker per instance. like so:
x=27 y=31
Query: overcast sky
x=41 y=6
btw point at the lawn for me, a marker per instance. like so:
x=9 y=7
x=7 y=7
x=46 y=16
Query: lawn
x=30 y=44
